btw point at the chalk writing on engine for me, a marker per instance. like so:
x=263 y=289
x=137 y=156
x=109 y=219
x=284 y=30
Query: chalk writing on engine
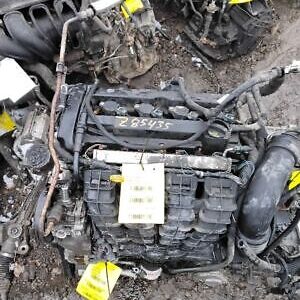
x=143 y=123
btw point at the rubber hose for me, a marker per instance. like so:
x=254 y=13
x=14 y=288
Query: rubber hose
x=272 y=86
x=189 y=101
x=259 y=78
x=266 y=188
x=261 y=264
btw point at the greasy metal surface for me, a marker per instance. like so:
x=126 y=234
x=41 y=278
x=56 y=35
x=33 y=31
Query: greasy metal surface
x=170 y=160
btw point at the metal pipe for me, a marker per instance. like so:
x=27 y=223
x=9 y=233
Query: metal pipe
x=55 y=175
x=61 y=74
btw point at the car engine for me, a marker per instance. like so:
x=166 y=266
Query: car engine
x=152 y=180
x=120 y=45
x=214 y=158
x=221 y=29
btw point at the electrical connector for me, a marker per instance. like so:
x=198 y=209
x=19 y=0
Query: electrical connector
x=293 y=68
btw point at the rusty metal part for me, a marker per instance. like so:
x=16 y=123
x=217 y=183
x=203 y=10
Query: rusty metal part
x=54 y=178
x=61 y=75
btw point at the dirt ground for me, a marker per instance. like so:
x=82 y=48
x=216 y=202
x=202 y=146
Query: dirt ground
x=41 y=273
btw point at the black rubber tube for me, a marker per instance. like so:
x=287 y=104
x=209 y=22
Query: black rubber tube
x=189 y=101
x=233 y=96
x=260 y=263
x=42 y=72
x=86 y=162
x=288 y=195
x=266 y=188
x=25 y=35
x=272 y=86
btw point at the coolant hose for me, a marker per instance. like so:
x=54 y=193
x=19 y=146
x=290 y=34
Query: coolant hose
x=266 y=188
x=262 y=77
x=260 y=263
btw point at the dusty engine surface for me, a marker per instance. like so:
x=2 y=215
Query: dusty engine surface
x=225 y=191
x=200 y=195
x=209 y=158
x=149 y=179
x=222 y=29
x=119 y=41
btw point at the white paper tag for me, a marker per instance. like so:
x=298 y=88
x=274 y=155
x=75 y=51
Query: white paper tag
x=15 y=83
x=142 y=194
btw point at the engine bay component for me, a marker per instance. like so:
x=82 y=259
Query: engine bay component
x=282 y=155
x=217 y=179
x=169 y=160
x=215 y=162
x=10 y=73
x=209 y=160
x=221 y=29
x=31 y=144
x=121 y=47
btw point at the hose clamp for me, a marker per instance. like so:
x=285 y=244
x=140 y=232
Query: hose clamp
x=61 y=68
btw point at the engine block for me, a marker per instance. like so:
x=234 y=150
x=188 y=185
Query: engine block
x=200 y=189
x=198 y=212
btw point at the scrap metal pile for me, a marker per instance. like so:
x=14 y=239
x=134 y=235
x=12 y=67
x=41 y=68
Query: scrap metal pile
x=151 y=180
x=222 y=29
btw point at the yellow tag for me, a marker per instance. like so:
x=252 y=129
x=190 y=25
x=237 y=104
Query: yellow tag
x=294 y=180
x=233 y=2
x=131 y=6
x=6 y=123
x=117 y=178
x=93 y=284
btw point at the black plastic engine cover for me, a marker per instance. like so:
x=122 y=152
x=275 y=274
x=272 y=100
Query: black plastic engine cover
x=138 y=116
x=196 y=219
